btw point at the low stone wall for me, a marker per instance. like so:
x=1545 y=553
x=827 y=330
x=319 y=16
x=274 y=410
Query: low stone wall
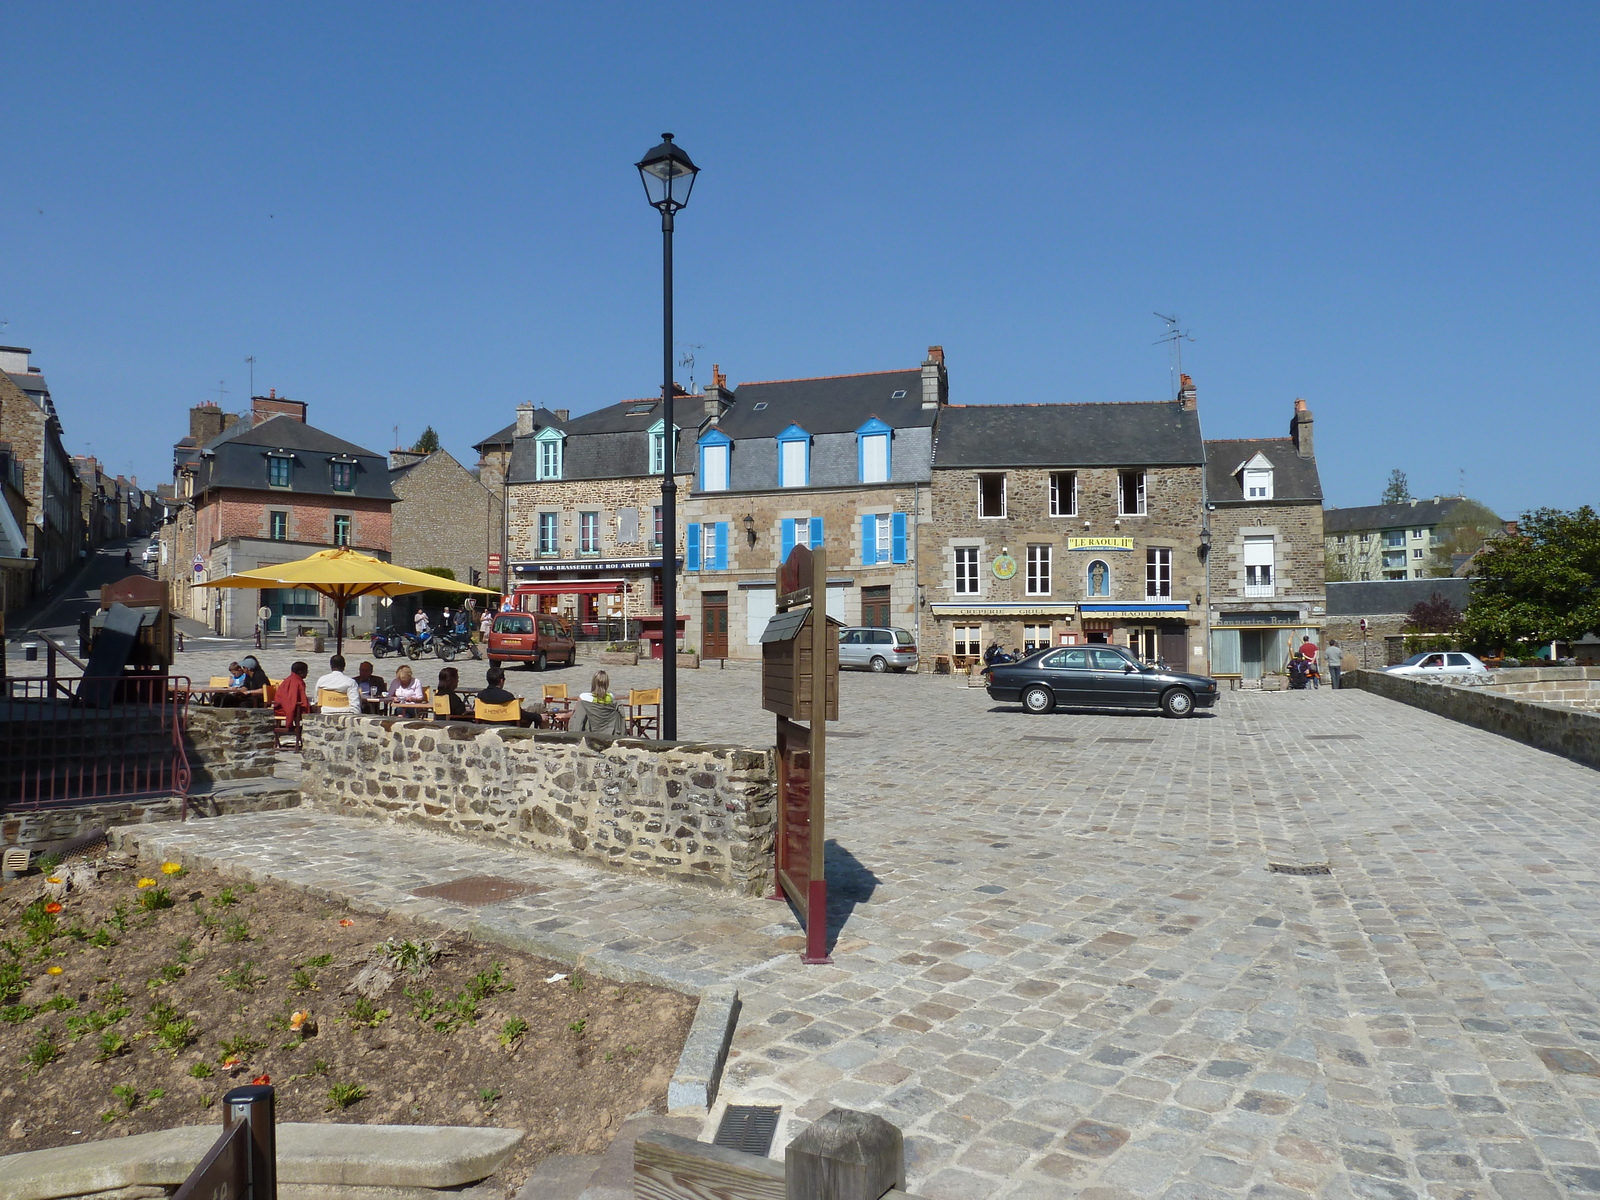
x=690 y=811
x=229 y=743
x=1561 y=730
x=1570 y=687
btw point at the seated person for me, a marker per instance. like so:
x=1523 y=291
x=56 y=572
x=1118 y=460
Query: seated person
x=255 y=680
x=597 y=711
x=406 y=688
x=291 y=702
x=337 y=681
x=449 y=681
x=237 y=675
x=496 y=693
x=371 y=685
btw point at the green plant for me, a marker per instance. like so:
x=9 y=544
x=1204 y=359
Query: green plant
x=575 y=981
x=167 y=973
x=237 y=931
x=156 y=898
x=15 y=1014
x=248 y=889
x=112 y=1044
x=363 y=1015
x=224 y=898
x=488 y=983
x=102 y=938
x=94 y=1022
x=578 y=1026
x=317 y=963
x=240 y=1046
x=512 y=1030
x=302 y=981
x=185 y=947
x=43 y=1052
x=113 y=994
x=12 y=981
x=172 y=1032
x=78 y=931
x=410 y=957
x=119 y=916
x=48 y=862
x=201 y=1070
x=343 y=1095
x=487 y=1097
x=58 y=1004
x=42 y=927
x=423 y=1006
x=128 y=1094
x=156 y=1094
x=242 y=978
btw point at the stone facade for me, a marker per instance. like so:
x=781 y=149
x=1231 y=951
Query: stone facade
x=697 y=813
x=227 y=744
x=444 y=517
x=29 y=423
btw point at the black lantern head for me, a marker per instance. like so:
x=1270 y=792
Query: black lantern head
x=668 y=175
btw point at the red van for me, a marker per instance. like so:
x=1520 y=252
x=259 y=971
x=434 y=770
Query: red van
x=533 y=638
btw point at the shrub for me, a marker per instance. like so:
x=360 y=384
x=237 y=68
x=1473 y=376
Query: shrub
x=43 y=1052
x=343 y=1095
x=156 y=898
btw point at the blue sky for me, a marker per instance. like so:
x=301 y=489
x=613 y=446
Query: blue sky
x=426 y=214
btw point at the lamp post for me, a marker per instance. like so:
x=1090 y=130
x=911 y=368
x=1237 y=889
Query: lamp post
x=668 y=177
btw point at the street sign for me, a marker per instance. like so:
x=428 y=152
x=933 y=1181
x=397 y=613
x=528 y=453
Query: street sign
x=494 y=564
x=199 y=564
x=1363 y=624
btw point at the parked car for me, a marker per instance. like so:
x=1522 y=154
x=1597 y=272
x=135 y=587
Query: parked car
x=1097 y=677
x=152 y=553
x=877 y=649
x=533 y=638
x=1437 y=663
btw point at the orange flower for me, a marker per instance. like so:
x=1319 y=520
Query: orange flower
x=262 y=1080
x=297 y=1020
x=231 y=1061
x=53 y=879
x=345 y=922
x=52 y=970
x=171 y=868
x=52 y=907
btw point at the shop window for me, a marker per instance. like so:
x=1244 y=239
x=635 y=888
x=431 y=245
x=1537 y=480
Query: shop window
x=1035 y=637
x=968 y=640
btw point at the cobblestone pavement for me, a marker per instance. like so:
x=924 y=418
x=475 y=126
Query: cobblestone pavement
x=1064 y=968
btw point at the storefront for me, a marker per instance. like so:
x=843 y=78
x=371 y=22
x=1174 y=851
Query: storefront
x=1156 y=631
x=613 y=600
x=1248 y=645
x=964 y=630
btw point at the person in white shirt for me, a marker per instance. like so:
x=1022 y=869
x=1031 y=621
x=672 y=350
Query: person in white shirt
x=337 y=681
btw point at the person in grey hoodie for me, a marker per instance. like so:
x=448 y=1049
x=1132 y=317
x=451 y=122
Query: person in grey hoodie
x=1334 y=657
x=597 y=710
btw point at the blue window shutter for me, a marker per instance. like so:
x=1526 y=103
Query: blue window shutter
x=788 y=539
x=721 y=561
x=899 y=537
x=869 y=540
x=816 y=533
x=691 y=556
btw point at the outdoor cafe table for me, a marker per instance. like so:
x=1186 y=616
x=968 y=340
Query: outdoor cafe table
x=208 y=695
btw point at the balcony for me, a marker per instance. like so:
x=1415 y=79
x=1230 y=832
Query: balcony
x=1260 y=589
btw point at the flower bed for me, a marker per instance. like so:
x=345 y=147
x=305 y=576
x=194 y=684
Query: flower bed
x=130 y=1002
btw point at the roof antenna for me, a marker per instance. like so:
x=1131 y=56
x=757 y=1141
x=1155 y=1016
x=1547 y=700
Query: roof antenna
x=1174 y=338
x=251 y=359
x=686 y=359
x=221 y=391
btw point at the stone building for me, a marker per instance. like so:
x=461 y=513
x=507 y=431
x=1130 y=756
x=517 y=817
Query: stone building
x=1265 y=566
x=29 y=423
x=443 y=516
x=1388 y=541
x=839 y=461
x=16 y=568
x=1384 y=607
x=1056 y=524
x=268 y=488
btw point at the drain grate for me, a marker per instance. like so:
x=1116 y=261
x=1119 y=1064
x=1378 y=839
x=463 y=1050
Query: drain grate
x=1299 y=868
x=478 y=890
x=1127 y=741
x=1333 y=737
x=748 y=1128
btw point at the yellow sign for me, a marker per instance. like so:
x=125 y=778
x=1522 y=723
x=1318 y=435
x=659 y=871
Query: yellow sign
x=1099 y=543
x=1005 y=567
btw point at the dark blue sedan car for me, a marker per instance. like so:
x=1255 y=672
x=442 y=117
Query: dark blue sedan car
x=1097 y=677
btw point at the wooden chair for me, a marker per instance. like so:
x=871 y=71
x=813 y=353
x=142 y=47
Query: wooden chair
x=509 y=713
x=555 y=694
x=268 y=693
x=287 y=736
x=328 y=698
x=219 y=681
x=641 y=723
x=441 y=706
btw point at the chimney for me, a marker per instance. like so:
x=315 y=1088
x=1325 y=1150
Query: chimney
x=1300 y=429
x=562 y=414
x=1188 y=399
x=525 y=420
x=935 y=383
x=206 y=421
x=264 y=408
x=404 y=458
x=718 y=399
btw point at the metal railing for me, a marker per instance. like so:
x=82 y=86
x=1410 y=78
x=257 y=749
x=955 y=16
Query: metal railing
x=56 y=748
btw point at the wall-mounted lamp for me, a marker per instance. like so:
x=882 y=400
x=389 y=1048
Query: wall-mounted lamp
x=1205 y=543
x=1087 y=523
x=750 y=529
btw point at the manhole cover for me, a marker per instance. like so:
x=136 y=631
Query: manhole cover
x=477 y=890
x=1333 y=737
x=1299 y=868
x=1127 y=741
x=748 y=1127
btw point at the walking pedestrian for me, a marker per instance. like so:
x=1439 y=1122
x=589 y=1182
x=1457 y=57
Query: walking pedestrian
x=1335 y=656
x=1308 y=651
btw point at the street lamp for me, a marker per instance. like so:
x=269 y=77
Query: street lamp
x=668 y=176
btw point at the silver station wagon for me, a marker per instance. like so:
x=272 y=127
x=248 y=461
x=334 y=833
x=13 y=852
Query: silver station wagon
x=865 y=648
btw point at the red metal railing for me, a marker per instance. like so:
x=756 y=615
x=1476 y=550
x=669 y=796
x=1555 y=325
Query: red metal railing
x=61 y=743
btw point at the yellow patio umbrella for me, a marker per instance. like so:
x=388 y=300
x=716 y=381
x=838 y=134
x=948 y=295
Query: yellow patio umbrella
x=342 y=575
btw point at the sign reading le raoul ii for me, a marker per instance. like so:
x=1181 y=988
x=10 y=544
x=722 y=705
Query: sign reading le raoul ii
x=1099 y=543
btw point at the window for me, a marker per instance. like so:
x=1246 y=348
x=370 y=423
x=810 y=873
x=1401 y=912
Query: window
x=588 y=533
x=1365 y=538
x=1418 y=552
x=706 y=546
x=1343 y=558
x=278 y=470
x=1257 y=484
x=883 y=538
x=1130 y=493
x=1158 y=573
x=799 y=531
x=872 y=450
x=1394 y=560
x=968 y=638
x=655 y=590
x=293 y=602
x=714 y=468
x=550 y=454
x=1340 y=539
x=341 y=530
x=1419 y=533
x=278 y=526
x=656 y=527
x=658 y=449
x=1099 y=578
x=966 y=571
x=1038 y=570
x=1259 y=555
x=549 y=534
x=1063 y=493
x=1394 y=537
x=992 y=495
x=344 y=476
x=1035 y=637
x=794 y=457
x=875 y=607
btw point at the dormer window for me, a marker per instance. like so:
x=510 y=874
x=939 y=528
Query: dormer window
x=658 y=448
x=551 y=444
x=1257 y=478
x=280 y=469
x=715 y=448
x=794 y=457
x=343 y=474
x=872 y=452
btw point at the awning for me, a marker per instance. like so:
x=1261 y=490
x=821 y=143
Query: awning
x=573 y=587
x=1155 y=616
x=1002 y=608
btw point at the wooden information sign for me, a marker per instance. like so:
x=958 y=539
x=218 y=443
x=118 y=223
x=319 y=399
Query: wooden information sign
x=800 y=682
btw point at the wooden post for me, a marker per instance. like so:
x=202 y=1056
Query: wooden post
x=846 y=1155
x=254 y=1105
x=817 y=902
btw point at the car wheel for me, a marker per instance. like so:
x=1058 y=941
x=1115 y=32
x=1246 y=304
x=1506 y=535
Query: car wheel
x=1177 y=703
x=1038 y=699
x=878 y=664
x=538 y=663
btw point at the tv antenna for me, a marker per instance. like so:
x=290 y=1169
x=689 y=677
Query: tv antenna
x=221 y=391
x=686 y=359
x=251 y=359
x=1174 y=339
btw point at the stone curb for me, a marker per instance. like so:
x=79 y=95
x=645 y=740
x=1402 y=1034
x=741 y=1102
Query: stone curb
x=694 y=1084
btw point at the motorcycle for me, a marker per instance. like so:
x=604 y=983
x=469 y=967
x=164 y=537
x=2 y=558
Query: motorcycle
x=417 y=644
x=452 y=642
x=387 y=641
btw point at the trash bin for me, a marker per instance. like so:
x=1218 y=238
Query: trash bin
x=30 y=651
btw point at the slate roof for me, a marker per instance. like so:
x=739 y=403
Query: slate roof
x=505 y=437
x=607 y=454
x=831 y=404
x=286 y=433
x=1159 y=433
x=1389 y=516
x=1393 y=595
x=622 y=416
x=1293 y=478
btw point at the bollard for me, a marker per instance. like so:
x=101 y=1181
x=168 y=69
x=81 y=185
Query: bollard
x=845 y=1155
x=30 y=651
x=255 y=1107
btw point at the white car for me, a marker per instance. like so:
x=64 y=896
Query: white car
x=152 y=553
x=1439 y=663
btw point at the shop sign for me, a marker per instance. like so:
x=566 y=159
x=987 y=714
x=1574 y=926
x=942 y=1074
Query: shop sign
x=1099 y=543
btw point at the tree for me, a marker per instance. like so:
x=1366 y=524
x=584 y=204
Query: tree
x=1435 y=615
x=1539 y=585
x=1463 y=531
x=1398 y=491
x=436 y=599
x=428 y=442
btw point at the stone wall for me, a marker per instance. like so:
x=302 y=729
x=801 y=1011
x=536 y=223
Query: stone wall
x=444 y=517
x=1569 y=687
x=1298 y=566
x=1565 y=731
x=693 y=812
x=229 y=743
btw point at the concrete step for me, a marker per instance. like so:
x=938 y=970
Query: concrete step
x=605 y=1176
x=559 y=1177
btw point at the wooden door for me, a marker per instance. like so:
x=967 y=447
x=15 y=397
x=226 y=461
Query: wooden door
x=875 y=607
x=1174 y=643
x=714 y=624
